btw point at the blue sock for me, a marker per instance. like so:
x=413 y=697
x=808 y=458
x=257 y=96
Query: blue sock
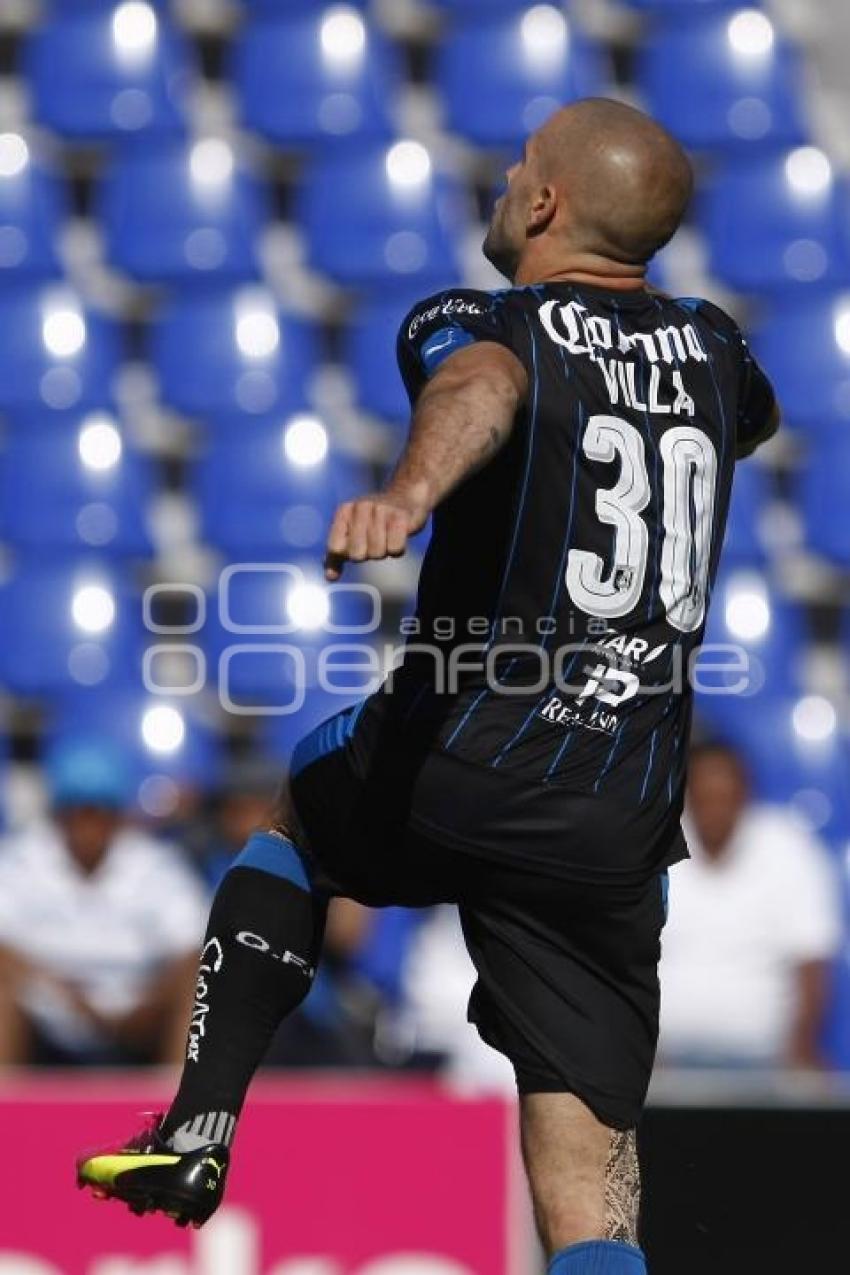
x=599 y=1257
x=268 y=852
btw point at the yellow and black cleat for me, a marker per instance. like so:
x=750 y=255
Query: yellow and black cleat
x=151 y=1178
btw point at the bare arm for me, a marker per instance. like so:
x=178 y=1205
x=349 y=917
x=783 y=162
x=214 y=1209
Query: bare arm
x=811 y=987
x=464 y=416
x=160 y=1018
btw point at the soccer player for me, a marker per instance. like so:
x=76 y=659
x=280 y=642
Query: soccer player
x=575 y=437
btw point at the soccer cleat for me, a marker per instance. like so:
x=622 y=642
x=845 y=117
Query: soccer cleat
x=151 y=1178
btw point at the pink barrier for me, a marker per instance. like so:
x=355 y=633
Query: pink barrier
x=334 y=1177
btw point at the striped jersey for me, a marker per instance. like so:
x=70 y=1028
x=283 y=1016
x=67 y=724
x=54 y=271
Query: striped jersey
x=566 y=585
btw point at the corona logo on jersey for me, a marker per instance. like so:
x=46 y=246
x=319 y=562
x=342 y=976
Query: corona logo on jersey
x=593 y=335
x=570 y=325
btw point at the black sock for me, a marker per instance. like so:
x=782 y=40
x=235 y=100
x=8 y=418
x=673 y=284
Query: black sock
x=260 y=951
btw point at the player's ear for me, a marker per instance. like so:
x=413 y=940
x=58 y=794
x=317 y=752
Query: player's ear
x=543 y=206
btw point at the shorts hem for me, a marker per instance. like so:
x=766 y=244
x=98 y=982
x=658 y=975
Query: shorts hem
x=540 y=866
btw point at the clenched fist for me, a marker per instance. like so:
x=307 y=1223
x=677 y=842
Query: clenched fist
x=370 y=528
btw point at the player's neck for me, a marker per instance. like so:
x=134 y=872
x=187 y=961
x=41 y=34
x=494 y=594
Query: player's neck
x=582 y=267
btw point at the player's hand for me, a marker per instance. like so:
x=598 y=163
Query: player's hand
x=371 y=528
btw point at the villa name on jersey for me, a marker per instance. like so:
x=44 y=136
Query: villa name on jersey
x=665 y=349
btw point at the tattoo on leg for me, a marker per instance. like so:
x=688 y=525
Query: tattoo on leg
x=622 y=1188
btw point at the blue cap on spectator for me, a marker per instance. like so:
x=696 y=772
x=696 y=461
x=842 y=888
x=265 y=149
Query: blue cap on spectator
x=88 y=772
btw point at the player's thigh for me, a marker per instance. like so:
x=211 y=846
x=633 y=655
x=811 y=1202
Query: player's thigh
x=337 y=806
x=568 y=986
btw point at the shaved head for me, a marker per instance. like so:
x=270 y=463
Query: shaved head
x=599 y=181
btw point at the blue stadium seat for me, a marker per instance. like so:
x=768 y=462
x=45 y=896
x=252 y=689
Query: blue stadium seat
x=796 y=759
x=76 y=488
x=167 y=742
x=752 y=649
x=107 y=72
x=723 y=81
x=274 y=489
x=293 y=6
x=502 y=74
x=284 y=605
x=315 y=75
x=403 y=221
x=33 y=207
x=370 y=352
x=824 y=494
x=225 y=354
x=68 y=622
x=55 y=353
x=683 y=6
x=751 y=492
x=176 y=211
x=480 y=6
x=777 y=222
x=805 y=348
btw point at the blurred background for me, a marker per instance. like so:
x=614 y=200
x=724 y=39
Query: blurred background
x=213 y=216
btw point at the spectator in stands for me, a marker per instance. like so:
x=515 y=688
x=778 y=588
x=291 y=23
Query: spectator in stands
x=436 y=981
x=243 y=803
x=100 y=925
x=335 y=1026
x=753 y=924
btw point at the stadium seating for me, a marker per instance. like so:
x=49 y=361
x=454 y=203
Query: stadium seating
x=744 y=541
x=247 y=358
x=798 y=756
x=56 y=355
x=754 y=642
x=33 y=208
x=778 y=222
x=480 y=6
x=67 y=621
x=370 y=353
x=175 y=199
x=682 y=7
x=269 y=624
x=166 y=740
x=293 y=6
x=805 y=348
x=275 y=490
x=501 y=74
x=75 y=488
x=180 y=211
x=402 y=219
x=315 y=74
x=723 y=81
x=106 y=72
x=824 y=494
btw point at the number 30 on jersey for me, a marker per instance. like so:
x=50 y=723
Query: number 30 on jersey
x=689 y=464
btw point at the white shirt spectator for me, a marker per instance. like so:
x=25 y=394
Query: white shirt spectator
x=438 y=980
x=106 y=932
x=739 y=926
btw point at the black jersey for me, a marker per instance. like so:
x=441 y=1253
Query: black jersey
x=566 y=584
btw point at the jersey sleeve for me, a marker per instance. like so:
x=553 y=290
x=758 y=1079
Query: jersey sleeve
x=443 y=324
x=758 y=410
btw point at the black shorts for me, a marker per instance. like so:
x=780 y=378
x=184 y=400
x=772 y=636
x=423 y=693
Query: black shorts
x=567 y=971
